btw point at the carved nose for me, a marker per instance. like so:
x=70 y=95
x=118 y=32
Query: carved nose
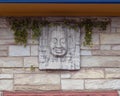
x=58 y=44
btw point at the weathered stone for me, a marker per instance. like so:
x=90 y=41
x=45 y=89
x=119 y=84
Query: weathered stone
x=88 y=47
x=6 y=84
x=118 y=30
x=113 y=30
x=88 y=73
x=3 y=47
x=37 y=79
x=106 y=52
x=86 y=52
x=30 y=61
x=6 y=76
x=105 y=47
x=19 y=50
x=37 y=87
x=6 y=34
x=64 y=54
x=107 y=38
x=11 y=62
x=112 y=72
x=34 y=50
x=115 y=19
x=116 y=47
x=33 y=42
x=102 y=84
x=7 y=42
x=3 y=23
x=72 y=84
x=51 y=19
x=100 y=61
x=3 y=53
x=12 y=70
x=65 y=75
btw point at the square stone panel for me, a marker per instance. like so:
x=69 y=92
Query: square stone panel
x=59 y=48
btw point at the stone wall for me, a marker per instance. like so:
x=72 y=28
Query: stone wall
x=100 y=65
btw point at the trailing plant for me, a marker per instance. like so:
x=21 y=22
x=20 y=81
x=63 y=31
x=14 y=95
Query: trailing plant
x=21 y=25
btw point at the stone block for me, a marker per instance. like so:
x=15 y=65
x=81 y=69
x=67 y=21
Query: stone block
x=34 y=50
x=6 y=85
x=72 y=84
x=3 y=53
x=106 y=52
x=112 y=72
x=11 y=62
x=19 y=50
x=105 y=47
x=3 y=23
x=37 y=79
x=102 y=84
x=37 y=87
x=3 y=47
x=30 y=61
x=8 y=76
x=100 y=61
x=65 y=75
x=116 y=47
x=107 y=38
x=88 y=73
x=86 y=52
x=7 y=42
x=6 y=33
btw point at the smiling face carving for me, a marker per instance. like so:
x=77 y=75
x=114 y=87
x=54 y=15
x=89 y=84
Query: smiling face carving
x=58 y=44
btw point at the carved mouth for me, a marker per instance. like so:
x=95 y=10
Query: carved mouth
x=58 y=50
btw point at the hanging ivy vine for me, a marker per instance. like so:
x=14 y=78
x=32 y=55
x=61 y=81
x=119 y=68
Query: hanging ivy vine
x=21 y=25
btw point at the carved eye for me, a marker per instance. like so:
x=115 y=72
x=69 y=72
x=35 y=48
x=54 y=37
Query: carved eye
x=54 y=40
x=63 y=40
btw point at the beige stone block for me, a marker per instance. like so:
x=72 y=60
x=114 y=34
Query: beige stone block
x=110 y=38
x=36 y=88
x=88 y=73
x=6 y=33
x=116 y=47
x=3 y=23
x=105 y=47
x=8 y=76
x=17 y=50
x=7 y=42
x=106 y=52
x=6 y=85
x=3 y=53
x=3 y=47
x=37 y=79
x=112 y=72
x=30 y=61
x=65 y=75
x=102 y=84
x=72 y=84
x=86 y=52
x=11 y=62
x=12 y=70
x=34 y=50
x=100 y=61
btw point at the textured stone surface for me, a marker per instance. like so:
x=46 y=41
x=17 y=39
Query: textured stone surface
x=37 y=87
x=37 y=79
x=6 y=84
x=19 y=51
x=70 y=84
x=100 y=61
x=11 y=62
x=6 y=76
x=106 y=52
x=65 y=75
x=110 y=38
x=3 y=47
x=7 y=42
x=86 y=52
x=88 y=73
x=3 y=53
x=61 y=93
x=30 y=61
x=59 y=48
x=3 y=22
x=116 y=47
x=34 y=50
x=105 y=47
x=112 y=72
x=102 y=84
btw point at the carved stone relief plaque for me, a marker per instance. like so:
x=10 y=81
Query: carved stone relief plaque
x=59 y=48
